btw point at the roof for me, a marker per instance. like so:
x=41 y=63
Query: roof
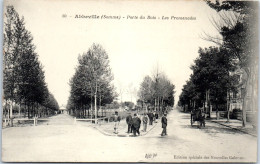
x=62 y=107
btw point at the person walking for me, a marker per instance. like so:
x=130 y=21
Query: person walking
x=164 y=124
x=116 y=121
x=145 y=121
x=136 y=124
x=154 y=118
x=150 y=115
x=156 y=115
x=129 y=121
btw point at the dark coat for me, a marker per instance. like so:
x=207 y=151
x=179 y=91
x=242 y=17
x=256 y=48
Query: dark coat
x=136 y=122
x=156 y=115
x=150 y=115
x=129 y=119
x=164 y=122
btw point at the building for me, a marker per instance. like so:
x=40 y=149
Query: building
x=251 y=97
x=62 y=109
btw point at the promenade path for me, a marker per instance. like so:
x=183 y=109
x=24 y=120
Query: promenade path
x=60 y=140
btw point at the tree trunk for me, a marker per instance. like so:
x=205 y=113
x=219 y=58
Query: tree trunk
x=19 y=109
x=244 y=94
x=11 y=109
x=91 y=105
x=228 y=105
x=155 y=104
x=217 y=113
x=208 y=103
x=100 y=103
x=28 y=107
x=244 y=108
x=96 y=104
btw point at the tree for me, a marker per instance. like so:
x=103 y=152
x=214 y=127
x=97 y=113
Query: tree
x=210 y=81
x=241 y=38
x=158 y=91
x=146 y=91
x=92 y=80
x=24 y=80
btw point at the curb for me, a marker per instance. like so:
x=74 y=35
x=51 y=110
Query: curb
x=149 y=130
x=233 y=128
x=103 y=132
x=122 y=135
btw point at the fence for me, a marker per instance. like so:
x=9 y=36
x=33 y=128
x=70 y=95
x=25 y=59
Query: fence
x=10 y=121
x=89 y=119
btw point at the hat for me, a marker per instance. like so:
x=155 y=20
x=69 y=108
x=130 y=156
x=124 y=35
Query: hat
x=135 y=114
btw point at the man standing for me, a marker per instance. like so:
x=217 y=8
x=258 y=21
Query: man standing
x=129 y=121
x=150 y=115
x=116 y=120
x=136 y=124
x=145 y=121
x=164 y=124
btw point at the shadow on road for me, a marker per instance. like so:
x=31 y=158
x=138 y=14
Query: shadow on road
x=212 y=129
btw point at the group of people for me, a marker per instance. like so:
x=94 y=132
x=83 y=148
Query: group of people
x=134 y=123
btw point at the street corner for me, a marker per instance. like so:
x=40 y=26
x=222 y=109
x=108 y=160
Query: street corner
x=109 y=131
x=103 y=131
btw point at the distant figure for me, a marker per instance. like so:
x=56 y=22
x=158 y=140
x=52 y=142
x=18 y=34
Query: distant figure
x=116 y=120
x=156 y=115
x=136 y=125
x=129 y=121
x=164 y=124
x=145 y=122
x=150 y=115
x=154 y=118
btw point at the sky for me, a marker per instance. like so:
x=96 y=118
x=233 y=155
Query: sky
x=135 y=47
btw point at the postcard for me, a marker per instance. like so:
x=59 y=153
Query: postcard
x=130 y=81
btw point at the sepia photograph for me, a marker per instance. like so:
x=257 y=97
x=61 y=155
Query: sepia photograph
x=130 y=81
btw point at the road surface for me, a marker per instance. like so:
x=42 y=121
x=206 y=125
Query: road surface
x=59 y=140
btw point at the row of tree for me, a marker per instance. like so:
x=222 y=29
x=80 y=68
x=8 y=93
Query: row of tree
x=91 y=84
x=23 y=76
x=157 y=91
x=212 y=79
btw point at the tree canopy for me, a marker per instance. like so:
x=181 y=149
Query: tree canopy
x=24 y=79
x=211 y=71
x=92 y=80
x=158 y=91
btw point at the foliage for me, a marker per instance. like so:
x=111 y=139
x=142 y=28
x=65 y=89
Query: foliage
x=92 y=80
x=241 y=40
x=158 y=89
x=210 y=72
x=24 y=80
